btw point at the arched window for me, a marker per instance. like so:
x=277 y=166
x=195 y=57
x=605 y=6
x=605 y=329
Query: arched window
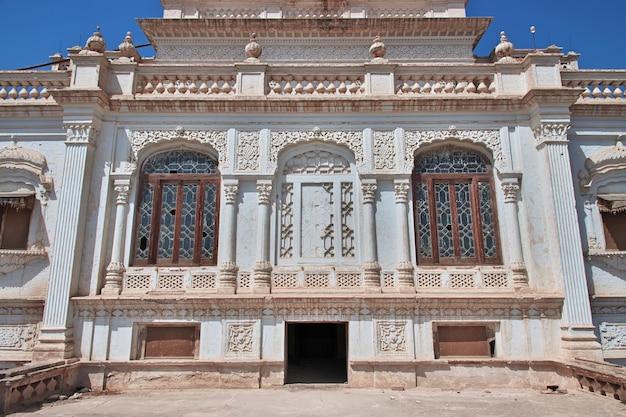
x=177 y=216
x=455 y=210
x=316 y=212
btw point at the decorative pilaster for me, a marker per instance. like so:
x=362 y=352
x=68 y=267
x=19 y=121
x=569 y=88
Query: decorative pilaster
x=115 y=270
x=577 y=330
x=404 y=265
x=263 y=267
x=371 y=268
x=511 y=188
x=56 y=337
x=228 y=268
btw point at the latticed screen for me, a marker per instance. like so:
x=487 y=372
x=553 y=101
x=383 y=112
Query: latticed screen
x=178 y=212
x=455 y=212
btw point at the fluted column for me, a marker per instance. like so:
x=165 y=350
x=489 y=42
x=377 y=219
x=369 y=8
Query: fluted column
x=511 y=188
x=263 y=267
x=228 y=268
x=56 y=337
x=371 y=268
x=403 y=265
x=577 y=330
x=116 y=268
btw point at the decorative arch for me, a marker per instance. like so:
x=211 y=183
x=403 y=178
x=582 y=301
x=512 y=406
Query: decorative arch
x=316 y=205
x=144 y=139
x=490 y=139
x=279 y=140
x=178 y=210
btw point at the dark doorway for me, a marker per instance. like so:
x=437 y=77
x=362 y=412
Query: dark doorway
x=316 y=353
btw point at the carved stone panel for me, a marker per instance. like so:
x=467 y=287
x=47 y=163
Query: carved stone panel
x=21 y=337
x=391 y=337
x=248 y=151
x=240 y=339
x=384 y=150
x=613 y=336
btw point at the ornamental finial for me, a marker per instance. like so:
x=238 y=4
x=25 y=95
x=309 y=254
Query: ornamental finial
x=96 y=42
x=378 y=48
x=127 y=48
x=505 y=49
x=253 y=49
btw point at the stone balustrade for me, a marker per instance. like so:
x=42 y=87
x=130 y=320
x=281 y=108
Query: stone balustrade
x=262 y=13
x=189 y=85
x=315 y=85
x=31 y=86
x=206 y=279
x=443 y=84
x=607 y=85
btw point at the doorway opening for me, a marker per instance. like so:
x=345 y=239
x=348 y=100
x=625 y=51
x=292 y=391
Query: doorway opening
x=317 y=353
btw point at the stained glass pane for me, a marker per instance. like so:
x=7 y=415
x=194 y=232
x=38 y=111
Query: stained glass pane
x=168 y=221
x=180 y=162
x=451 y=161
x=464 y=219
x=423 y=221
x=444 y=221
x=188 y=221
x=487 y=219
x=145 y=219
x=210 y=221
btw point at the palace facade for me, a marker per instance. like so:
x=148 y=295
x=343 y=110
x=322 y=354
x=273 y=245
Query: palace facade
x=314 y=191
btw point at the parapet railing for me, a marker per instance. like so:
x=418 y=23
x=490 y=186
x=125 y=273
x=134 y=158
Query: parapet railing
x=31 y=86
x=191 y=82
x=597 y=84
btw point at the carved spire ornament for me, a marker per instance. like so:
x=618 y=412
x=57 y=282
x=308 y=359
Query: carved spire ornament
x=128 y=50
x=96 y=43
x=505 y=49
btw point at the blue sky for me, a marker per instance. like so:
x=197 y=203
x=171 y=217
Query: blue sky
x=32 y=30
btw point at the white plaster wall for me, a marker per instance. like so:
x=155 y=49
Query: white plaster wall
x=386 y=225
x=247 y=233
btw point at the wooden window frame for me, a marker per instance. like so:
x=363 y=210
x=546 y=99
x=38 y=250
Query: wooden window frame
x=158 y=180
x=473 y=180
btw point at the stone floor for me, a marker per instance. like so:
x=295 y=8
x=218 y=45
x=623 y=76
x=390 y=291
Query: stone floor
x=303 y=401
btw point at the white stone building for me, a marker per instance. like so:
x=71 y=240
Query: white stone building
x=311 y=206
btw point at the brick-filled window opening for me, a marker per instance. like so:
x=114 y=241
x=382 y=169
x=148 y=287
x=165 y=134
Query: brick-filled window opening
x=177 y=214
x=455 y=211
x=613 y=211
x=168 y=341
x=15 y=215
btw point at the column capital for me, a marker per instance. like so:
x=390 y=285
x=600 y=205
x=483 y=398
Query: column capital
x=230 y=192
x=368 y=188
x=551 y=132
x=122 y=192
x=80 y=133
x=264 y=189
x=401 y=189
x=511 y=192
